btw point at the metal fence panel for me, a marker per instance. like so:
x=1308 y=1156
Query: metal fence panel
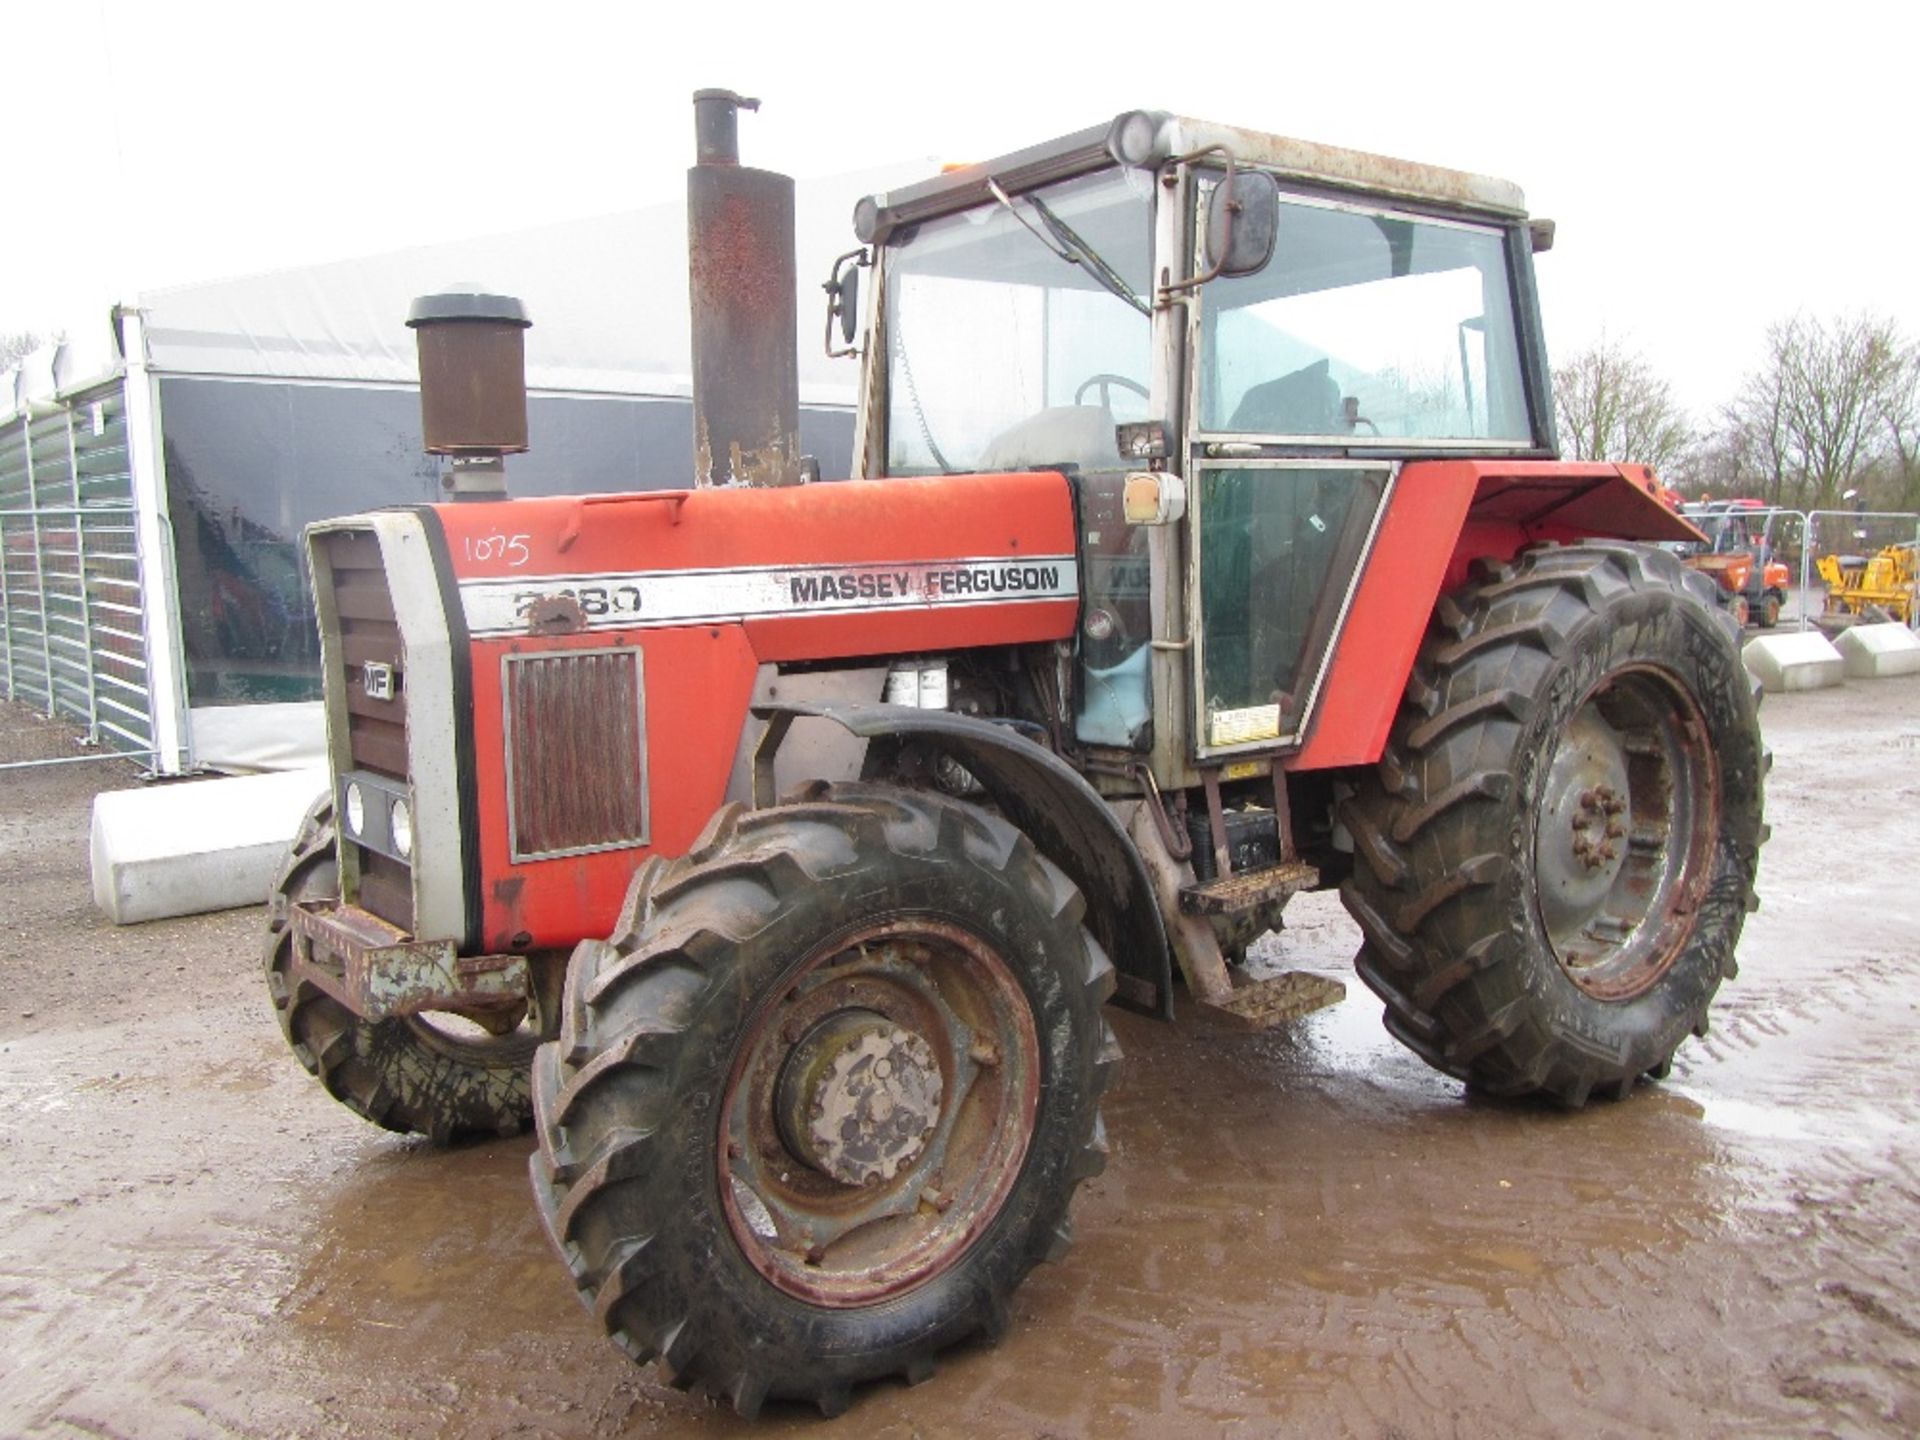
x=72 y=629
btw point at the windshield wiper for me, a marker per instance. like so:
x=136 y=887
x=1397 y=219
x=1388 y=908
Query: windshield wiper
x=1068 y=245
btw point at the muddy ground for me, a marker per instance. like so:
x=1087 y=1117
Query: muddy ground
x=1304 y=1232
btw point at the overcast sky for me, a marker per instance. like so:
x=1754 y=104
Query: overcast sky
x=1708 y=174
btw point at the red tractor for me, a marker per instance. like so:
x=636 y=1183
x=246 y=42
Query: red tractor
x=774 y=848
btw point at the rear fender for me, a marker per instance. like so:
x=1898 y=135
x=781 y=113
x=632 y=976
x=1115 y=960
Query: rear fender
x=1442 y=517
x=1041 y=795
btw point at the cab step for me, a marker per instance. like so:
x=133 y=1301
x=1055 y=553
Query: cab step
x=1262 y=1004
x=1248 y=889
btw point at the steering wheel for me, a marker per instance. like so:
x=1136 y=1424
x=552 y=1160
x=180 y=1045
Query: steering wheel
x=1107 y=383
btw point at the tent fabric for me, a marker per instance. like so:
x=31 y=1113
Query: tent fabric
x=88 y=357
x=607 y=296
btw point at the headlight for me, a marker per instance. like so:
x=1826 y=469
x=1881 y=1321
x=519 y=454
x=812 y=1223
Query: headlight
x=356 y=809
x=402 y=829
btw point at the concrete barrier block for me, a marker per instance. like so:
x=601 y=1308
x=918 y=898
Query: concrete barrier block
x=201 y=845
x=1802 y=660
x=1871 y=651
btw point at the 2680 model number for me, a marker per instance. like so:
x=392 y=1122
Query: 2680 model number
x=592 y=599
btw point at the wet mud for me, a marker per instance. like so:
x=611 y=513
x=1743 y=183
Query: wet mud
x=1304 y=1232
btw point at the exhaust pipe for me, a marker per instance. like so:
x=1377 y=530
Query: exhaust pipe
x=741 y=285
x=473 y=385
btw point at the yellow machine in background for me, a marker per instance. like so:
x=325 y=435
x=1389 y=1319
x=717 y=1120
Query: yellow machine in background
x=1887 y=580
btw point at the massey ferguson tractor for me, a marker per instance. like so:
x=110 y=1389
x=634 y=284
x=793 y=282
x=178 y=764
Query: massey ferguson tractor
x=773 y=846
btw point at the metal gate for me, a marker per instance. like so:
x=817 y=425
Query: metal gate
x=72 y=641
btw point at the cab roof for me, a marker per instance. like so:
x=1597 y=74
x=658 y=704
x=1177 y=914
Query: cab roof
x=1148 y=138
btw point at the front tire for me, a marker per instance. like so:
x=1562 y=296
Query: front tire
x=821 y=1103
x=441 y=1077
x=1557 y=850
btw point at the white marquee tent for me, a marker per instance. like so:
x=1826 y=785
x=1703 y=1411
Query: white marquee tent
x=157 y=464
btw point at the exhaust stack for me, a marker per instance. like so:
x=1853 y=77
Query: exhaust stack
x=473 y=385
x=741 y=285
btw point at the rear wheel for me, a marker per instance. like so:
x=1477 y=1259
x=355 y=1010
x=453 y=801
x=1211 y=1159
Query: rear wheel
x=1557 y=851
x=821 y=1103
x=445 y=1076
x=1769 y=610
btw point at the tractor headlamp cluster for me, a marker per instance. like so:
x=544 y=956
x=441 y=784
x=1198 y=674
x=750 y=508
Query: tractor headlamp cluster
x=377 y=813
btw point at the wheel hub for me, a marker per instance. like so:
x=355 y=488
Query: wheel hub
x=1597 y=830
x=1583 y=833
x=860 y=1097
x=879 y=1111
x=1625 y=822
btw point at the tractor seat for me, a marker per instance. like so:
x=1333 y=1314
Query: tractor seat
x=1076 y=435
x=1305 y=402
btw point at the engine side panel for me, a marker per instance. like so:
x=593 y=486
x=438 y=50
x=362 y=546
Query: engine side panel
x=705 y=587
x=697 y=684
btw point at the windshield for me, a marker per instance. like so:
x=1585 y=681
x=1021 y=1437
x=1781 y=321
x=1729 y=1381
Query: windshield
x=1005 y=353
x=1366 y=325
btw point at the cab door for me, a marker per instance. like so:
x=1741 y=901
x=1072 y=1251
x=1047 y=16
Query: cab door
x=1277 y=547
x=1370 y=336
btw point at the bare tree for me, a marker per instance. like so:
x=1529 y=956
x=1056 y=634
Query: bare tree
x=1817 y=414
x=14 y=344
x=1903 y=430
x=1613 y=406
x=1719 y=462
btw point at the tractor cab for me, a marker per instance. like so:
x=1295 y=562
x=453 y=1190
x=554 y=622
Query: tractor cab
x=1271 y=329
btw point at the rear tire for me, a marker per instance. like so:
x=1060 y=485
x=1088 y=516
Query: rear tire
x=409 y=1074
x=671 y=1174
x=1557 y=850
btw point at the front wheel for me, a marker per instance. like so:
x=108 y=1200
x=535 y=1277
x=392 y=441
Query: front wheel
x=441 y=1075
x=1557 y=850
x=821 y=1102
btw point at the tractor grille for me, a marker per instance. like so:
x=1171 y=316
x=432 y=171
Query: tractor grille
x=376 y=728
x=576 y=752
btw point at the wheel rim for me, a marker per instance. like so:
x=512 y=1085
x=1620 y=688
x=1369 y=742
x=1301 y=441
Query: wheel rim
x=1623 y=845
x=878 y=1113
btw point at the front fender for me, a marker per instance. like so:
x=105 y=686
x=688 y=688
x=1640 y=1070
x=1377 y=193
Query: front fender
x=1050 y=802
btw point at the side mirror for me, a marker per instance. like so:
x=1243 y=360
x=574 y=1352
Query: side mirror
x=843 y=302
x=1243 y=220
